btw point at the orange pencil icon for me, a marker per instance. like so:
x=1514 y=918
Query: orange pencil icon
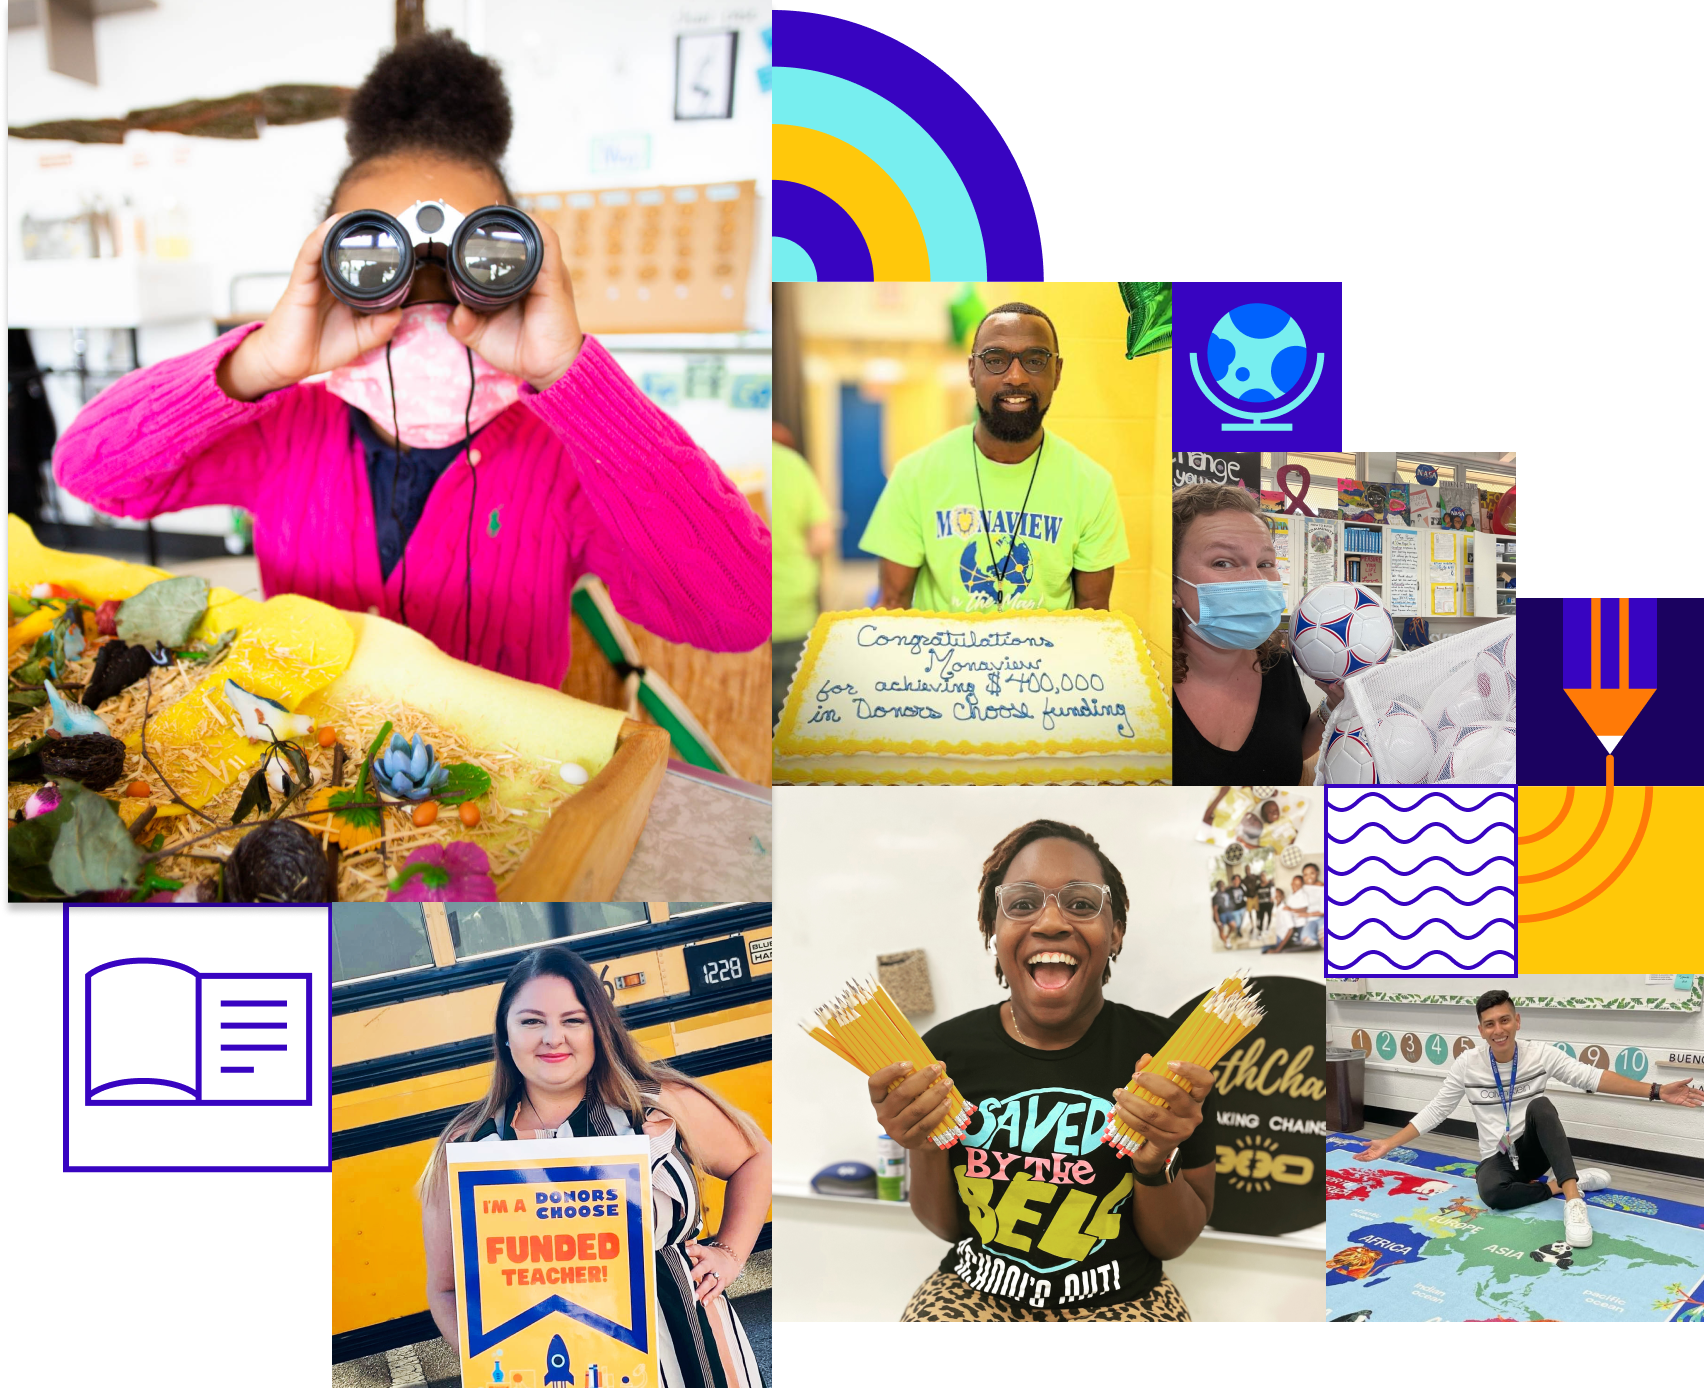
x=1609 y=662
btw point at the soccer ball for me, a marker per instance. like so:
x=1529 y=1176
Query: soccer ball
x=1339 y=628
x=1348 y=758
x=1483 y=753
x=1256 y=352
x=1406 y=744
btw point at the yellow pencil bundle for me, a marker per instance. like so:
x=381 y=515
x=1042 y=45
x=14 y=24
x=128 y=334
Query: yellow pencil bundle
x=865 y=1028
x=1220 y=1020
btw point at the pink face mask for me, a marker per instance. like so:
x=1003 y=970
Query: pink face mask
x=430 y=370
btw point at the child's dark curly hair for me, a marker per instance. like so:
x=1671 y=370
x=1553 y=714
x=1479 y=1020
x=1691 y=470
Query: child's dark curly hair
x=994 y=873
x=430 y=95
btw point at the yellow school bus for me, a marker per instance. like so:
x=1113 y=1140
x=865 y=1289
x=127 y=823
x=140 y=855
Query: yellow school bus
x=413 y=994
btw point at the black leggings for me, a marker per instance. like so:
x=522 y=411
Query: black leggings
x=1542 y=1146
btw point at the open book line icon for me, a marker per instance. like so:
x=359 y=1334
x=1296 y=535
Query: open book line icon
x=156 y=1031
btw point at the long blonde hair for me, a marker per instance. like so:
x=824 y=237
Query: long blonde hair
x=620 y=1074
x=1203 y=499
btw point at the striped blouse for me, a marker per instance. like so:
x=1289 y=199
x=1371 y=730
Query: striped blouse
x=698 y=1346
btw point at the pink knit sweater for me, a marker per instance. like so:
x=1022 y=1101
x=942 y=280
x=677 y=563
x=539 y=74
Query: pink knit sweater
x=585 y=477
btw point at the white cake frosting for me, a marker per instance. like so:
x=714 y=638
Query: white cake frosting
x=900 y=696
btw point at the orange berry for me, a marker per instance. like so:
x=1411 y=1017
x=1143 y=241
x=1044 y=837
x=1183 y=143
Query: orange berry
x=138 y=790
x=469 y=813
x=327 y=737
x=425 y=813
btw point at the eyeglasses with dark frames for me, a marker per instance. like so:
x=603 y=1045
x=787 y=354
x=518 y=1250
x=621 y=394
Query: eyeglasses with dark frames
x=997 y=360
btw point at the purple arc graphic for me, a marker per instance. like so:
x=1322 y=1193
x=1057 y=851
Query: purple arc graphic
x=971 y=142
x=824 y=230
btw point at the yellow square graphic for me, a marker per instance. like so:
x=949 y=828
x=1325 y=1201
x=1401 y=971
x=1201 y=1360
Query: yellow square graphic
x=1597 y=878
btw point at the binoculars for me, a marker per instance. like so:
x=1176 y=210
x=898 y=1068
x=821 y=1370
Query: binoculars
x=492 y=256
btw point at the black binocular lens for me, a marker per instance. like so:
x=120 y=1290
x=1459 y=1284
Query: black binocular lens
x=370 y=257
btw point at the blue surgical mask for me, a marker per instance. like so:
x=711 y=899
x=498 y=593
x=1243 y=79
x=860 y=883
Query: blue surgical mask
x=1237 y=616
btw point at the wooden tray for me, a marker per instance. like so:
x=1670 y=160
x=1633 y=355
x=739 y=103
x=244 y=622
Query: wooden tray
x=585 y=846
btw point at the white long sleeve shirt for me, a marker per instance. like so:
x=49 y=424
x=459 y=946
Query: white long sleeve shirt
x=1470 y=1075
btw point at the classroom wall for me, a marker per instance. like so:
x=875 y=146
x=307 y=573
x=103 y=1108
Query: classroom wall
x=1599 y=1118
x=868 y=871
x=1119 y=413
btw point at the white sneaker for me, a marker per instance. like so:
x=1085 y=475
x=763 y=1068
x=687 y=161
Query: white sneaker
x=1576 y=1224
x=1592 y=1178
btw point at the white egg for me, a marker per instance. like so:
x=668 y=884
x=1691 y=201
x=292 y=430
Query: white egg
x=574 y=773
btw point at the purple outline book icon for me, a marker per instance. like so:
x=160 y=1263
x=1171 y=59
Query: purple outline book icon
x=156 y=1032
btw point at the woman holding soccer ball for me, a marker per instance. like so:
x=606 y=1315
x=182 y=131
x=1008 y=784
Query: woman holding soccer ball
x=1240 y=713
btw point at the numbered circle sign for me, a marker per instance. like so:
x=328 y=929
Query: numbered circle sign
x=1595 y=1055
x=1411 y=1048
x=1565 y=1048
x=1630 y=1061
x=1361 y=1042
x=1387 y=1045
x=1437 y=1049
x=717 y=964
x=1462 y=1044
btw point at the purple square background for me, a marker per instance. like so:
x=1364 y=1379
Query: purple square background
x=1317 y=307
x=1556 y=746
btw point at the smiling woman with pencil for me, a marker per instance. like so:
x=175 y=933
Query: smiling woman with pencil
x=1047 y=1217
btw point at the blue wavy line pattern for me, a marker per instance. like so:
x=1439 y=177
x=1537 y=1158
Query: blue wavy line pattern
x=1435 y=920
x=1455 y=896
x=1429 y=795
x=1375 y=824
x=1415 y=966
x=1459 y=901
x=1409 y=872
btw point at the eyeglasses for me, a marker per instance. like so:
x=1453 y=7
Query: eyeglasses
x=1022 y=902
x=997 y=360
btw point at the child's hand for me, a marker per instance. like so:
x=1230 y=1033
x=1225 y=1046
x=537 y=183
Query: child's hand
x=536 y=339
x=308 y=331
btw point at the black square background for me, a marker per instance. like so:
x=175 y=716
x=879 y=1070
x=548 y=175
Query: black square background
x=210 y=939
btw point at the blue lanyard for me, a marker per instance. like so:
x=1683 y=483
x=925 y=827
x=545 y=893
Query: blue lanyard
x=1497 y=1077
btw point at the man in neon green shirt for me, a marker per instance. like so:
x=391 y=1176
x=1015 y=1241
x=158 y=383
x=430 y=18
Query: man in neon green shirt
x=1001 y=514
x=802 y=535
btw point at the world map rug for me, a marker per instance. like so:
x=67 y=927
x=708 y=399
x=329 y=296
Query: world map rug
x=1408 y=1239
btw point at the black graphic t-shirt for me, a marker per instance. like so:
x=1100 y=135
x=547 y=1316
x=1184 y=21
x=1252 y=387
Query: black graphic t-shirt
x=1045 y=1207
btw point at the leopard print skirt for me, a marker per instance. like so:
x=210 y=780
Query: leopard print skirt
x=945 y=1296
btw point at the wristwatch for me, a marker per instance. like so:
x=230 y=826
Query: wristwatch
x=1656 y=1091
x=1163 y=1177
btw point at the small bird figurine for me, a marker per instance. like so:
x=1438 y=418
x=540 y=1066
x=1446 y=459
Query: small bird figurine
x=557 y=1374
x=70 y=719
x=257 y=714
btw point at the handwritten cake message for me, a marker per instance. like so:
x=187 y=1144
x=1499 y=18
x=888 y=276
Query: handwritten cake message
x=904 y=678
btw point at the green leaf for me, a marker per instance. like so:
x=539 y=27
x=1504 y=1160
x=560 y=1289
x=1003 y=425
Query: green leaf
x=366 y=818
x=29 y=848
x=23 y=762
x=32 y=671
x=28 y=749
x=164 y=613
x=152 y=882
x=23 y=700
x=213 y=653
x=94 y=852
x=256 y=796
x=367 y=761
x=430 y=873
x=19 y=607
x=466 y=782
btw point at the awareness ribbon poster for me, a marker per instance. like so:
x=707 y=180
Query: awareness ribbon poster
x=554 y=1273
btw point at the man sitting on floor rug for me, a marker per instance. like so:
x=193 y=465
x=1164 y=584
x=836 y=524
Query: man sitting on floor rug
x=1520 y=1133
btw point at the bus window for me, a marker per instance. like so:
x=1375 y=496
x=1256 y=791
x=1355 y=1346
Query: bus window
x=377 y=937
x=487 y=927
x=681 y=908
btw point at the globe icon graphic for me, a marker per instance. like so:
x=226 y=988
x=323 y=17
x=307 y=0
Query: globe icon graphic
x=1256 y=352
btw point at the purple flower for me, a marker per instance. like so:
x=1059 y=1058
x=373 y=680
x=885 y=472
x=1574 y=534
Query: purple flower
x=43 y=801
x=440 y=872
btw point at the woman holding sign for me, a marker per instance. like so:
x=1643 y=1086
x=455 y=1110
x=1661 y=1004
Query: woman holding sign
x=567 y=1067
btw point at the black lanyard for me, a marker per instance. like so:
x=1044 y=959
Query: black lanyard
x=1023 y=512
